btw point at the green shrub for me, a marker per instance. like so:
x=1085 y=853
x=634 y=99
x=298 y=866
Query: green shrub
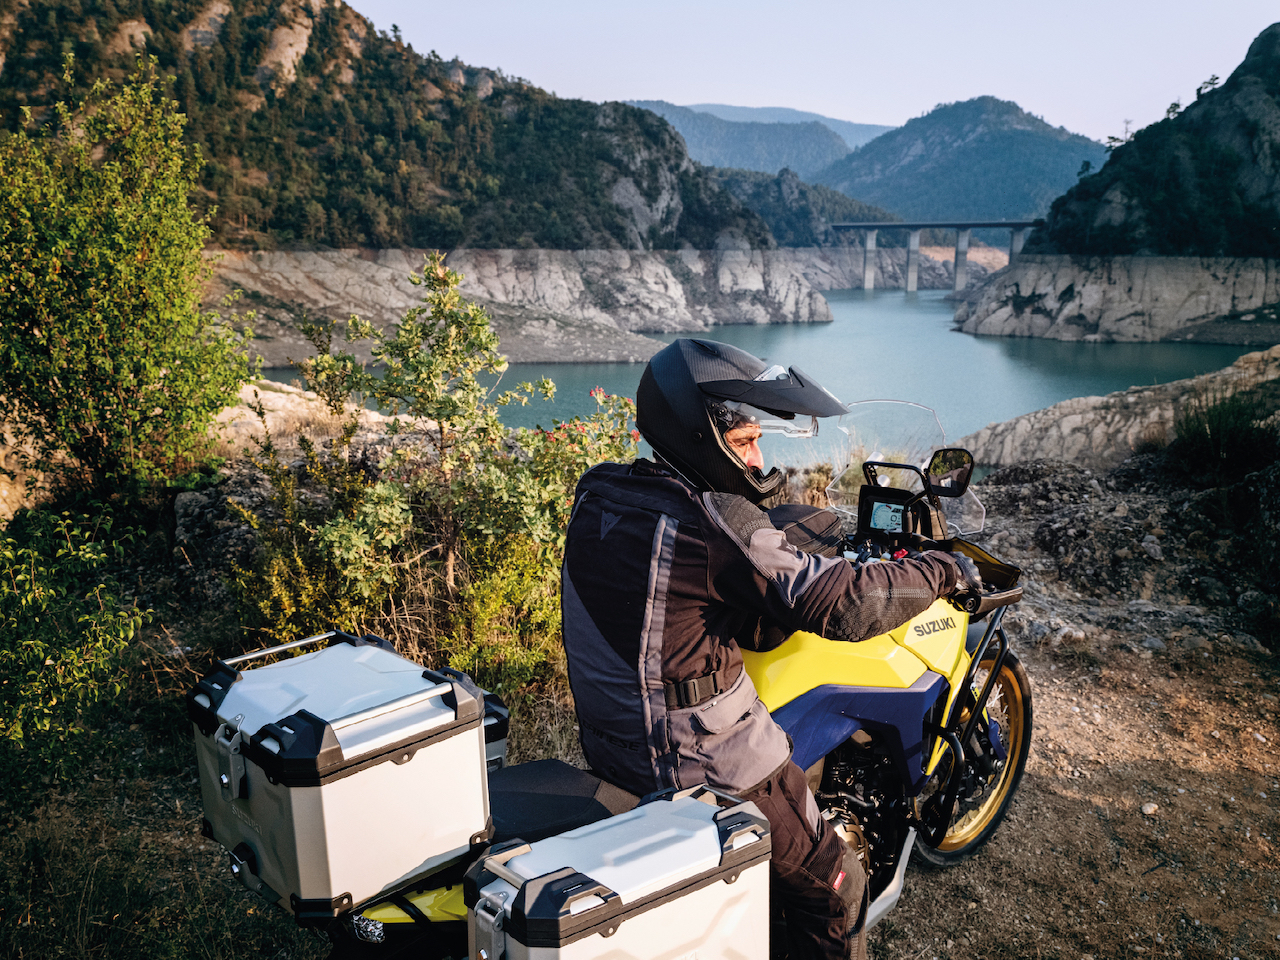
x=108 y=367
x=62 y=632
x=323 y=560
x=1221 y=437
x=452 y=545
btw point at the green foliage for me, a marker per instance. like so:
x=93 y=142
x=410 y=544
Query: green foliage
x=108 y=367
x=453 y=542
x=506 y=622
x=62 y=630
x=800 y=214
x=326 y=560
x=1221 y=437
x=372 y=144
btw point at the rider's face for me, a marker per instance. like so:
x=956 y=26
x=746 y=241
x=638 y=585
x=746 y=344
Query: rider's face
x=744 y=442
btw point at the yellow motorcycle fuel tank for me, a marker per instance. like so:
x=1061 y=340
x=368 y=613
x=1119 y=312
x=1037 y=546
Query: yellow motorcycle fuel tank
x=934 y=640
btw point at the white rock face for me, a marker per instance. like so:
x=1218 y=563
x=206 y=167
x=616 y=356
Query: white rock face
x=1099 y=432
x=288 y=44
x=205 y=29
x=1125 y=299
x=556 y=305
x=130 y=35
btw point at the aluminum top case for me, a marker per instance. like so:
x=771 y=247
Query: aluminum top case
x=339 y=774
x=678 y=876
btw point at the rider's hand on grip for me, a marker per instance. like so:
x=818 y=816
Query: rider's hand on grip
x=970 y=582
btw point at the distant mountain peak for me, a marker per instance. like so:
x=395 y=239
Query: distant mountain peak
x=978 y=159
x=753 y=145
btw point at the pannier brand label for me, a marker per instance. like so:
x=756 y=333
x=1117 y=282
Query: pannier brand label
x=246 y=819
x=934 y=626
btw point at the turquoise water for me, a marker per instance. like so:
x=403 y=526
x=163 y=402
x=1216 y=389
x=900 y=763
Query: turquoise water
x=891 y=345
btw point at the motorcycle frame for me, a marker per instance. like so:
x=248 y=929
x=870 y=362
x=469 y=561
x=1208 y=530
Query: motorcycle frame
x=932 y=834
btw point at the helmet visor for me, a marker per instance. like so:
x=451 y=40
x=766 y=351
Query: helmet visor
x=731 y=414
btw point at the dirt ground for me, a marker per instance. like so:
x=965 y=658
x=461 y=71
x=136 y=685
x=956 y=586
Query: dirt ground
x=993 y=258
x=1146 y=824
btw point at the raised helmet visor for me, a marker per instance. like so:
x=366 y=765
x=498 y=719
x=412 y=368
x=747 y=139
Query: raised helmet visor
x=782 y=392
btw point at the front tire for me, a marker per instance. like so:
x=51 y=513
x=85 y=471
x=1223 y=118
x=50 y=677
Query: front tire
x=976 y=819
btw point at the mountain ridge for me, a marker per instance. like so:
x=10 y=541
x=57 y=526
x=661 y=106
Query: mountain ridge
x=973 y=160
x=764 y=147
x=853 y=134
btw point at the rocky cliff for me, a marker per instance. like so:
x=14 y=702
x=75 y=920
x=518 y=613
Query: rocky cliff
x=557 y=305
x=1100 y=432
x=1204 y=299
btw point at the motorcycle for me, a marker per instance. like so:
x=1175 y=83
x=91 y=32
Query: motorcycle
x=919 y=736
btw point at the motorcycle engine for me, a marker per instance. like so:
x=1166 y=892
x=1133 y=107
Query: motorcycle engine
x=859 y=785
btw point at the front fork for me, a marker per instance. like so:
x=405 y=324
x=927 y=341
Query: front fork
x=935 y=816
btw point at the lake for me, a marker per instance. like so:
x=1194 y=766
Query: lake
x=886 y=344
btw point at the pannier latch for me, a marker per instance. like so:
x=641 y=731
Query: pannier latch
x=490 y=939
x=231 y=774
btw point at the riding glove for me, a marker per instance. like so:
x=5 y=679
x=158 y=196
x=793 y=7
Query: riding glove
x=970 y=580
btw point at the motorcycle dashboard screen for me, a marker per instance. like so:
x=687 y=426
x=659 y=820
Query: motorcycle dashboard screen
x=887 y=517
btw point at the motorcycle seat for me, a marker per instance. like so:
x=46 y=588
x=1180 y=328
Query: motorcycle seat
x=533 y=801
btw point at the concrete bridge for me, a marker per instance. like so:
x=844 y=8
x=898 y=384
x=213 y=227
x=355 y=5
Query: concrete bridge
x=1018 y=230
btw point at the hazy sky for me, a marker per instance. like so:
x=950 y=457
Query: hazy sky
x=1087 y=65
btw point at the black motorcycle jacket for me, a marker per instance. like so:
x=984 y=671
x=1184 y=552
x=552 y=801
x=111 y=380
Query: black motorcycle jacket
x=661 y=584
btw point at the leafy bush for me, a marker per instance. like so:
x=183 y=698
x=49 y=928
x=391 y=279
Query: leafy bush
x=108 y=367
x=1222 y=436
x=452 y=544
x=323 y=560
x=62 y=632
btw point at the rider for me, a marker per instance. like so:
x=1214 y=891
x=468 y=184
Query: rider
x=671 y=565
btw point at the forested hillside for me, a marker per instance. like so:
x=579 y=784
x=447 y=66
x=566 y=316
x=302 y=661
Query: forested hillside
x=766 y=147
x=319 y=130
x=800 y=214
x=979 y=159
x=1205 y=181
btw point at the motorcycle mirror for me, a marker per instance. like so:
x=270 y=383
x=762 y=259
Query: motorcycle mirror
x=949 y=472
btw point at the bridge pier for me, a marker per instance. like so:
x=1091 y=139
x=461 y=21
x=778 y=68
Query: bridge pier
x=1017 y=237
x=913 y=261
x=962 y=258
x=869 y=259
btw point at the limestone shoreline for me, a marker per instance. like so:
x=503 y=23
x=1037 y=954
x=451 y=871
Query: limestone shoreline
x=1129 y=299
x=585 y=306
x=1100 y=432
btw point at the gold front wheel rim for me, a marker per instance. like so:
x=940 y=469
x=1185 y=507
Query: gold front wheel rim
x=1006 y=707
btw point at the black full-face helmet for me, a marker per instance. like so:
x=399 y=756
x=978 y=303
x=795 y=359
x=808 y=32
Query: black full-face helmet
x=694 y=390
